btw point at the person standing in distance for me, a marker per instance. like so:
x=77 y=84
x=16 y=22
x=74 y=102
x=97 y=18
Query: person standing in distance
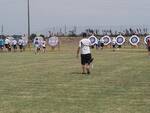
x=1 y=44
x=86 y=59
x=14 y=44
x=44 y=45
x=37 y=45
x=113 y=42
x=20 y=43
x=7 y=44
x=102 y=43
x=148 y=46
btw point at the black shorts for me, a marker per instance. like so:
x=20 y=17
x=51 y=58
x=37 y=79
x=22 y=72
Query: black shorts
x=102 y=44
x=20 y=46
x=85 y=59
x=7 y=46
x=15 y=46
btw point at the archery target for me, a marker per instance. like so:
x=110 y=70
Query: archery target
x=107 y=40
x=134 y=40
x=93 y=40
x=146 y=38
x=120 y=40
x=53 y=41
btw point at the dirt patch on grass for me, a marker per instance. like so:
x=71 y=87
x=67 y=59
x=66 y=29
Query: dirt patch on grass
x=70 y=40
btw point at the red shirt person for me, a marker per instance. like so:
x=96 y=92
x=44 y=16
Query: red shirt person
x=148 y=45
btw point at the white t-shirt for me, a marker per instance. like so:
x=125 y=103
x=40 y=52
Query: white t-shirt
x=84 y=45
x=7 y=41
x=37 y=43
x=114 y=41
x=14 y=42
x=20 y=42
x=43 y=43
x=25 y=42
x=102 y=40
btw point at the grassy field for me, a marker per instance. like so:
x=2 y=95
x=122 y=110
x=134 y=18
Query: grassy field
x=52 y=83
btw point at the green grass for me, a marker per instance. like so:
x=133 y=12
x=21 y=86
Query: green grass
x=51 y=83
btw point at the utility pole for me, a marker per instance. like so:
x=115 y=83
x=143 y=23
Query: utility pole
x=28 y=7
x=28 y=4
x=65 y=30
x=2 y=29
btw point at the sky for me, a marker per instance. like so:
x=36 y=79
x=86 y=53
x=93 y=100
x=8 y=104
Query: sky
x=50 y=13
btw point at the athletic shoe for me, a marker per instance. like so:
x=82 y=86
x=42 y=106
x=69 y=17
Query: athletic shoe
x=88 y=71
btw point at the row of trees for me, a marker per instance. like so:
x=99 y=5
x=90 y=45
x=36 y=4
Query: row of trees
x=110 y=32
x=87 y=32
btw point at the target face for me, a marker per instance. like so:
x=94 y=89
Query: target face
x=146 y=38
x=120 y=40
x=93 y=40
x=107 y=40
x=134 y=40
x=53 y=41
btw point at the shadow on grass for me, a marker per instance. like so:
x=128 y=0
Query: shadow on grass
x=76 y=73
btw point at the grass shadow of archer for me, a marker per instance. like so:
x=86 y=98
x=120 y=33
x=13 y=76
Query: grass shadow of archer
x=75 y=73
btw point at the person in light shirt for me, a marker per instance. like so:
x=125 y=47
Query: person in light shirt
x=20 y=43
x=14 y=45
x=86 y=58
x=113 y=43
x=25 y=43
x=37 y=44
x=7 y=44
x=44 y=45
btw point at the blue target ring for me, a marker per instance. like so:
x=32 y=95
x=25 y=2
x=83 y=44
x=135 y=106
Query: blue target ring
x=120 y=40
x=134 y=40
x=107 y=40
x=93 y=40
